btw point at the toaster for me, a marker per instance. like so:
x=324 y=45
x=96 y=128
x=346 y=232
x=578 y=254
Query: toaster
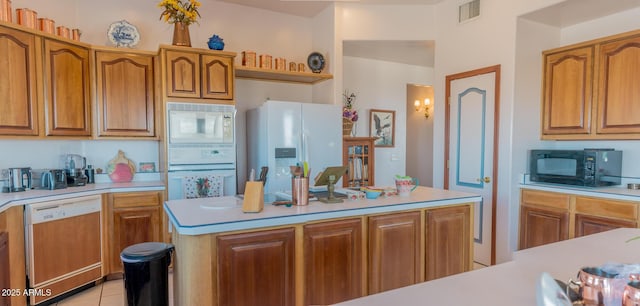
x=49 y=179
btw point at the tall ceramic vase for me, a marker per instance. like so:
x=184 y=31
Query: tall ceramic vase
x=181 y=34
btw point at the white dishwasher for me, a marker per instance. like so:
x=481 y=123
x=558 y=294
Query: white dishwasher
x=63 y=245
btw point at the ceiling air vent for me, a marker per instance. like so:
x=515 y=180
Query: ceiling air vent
x=468 y=11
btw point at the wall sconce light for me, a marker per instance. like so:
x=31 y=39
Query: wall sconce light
x=423 y=107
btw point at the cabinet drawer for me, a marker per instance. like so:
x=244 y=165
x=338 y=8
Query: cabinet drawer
x=546 y=199
x=137 y=199
x=607 y=208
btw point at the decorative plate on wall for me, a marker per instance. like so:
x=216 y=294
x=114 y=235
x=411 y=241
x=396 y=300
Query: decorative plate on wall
x=123 y=34
x=315 y=62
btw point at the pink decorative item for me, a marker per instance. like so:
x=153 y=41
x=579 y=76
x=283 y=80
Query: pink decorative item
x=121 y=169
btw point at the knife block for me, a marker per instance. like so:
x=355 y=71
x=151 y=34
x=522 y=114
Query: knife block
x=253 y=197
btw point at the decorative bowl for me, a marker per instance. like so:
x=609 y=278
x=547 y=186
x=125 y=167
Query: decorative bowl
x=372 y=194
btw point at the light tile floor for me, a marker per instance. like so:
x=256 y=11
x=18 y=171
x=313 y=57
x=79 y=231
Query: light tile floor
x=110 y=293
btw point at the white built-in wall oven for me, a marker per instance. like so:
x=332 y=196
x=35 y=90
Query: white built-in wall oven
x=201 y=143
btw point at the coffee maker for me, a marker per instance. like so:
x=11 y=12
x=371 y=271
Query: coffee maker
x=16 y=179
x=74 y=165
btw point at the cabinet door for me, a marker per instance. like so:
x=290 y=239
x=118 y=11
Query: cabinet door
x=394 y=251
x=132 y=226
x=540 y=226
x=5 y=273
x=333 y=261
x=217 y=77
x=448 y=241
x=257 y=268
x=567 y=100
x=618 y=90
x=125 y=94
x=587 y=225
x=18 y=97
x=183 y=74
x=359 y=156
x=66 y=69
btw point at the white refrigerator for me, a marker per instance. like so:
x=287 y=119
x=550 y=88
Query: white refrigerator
x=281 y=134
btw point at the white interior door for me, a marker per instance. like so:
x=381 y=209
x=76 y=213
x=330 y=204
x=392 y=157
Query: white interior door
x=472 y=103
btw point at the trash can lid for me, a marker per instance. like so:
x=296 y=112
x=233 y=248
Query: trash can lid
x=146 y=251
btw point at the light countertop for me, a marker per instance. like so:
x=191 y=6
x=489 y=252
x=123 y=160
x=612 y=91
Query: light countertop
x=620 y=192
x=39 y=195
x=213 y=215
x=514 y=282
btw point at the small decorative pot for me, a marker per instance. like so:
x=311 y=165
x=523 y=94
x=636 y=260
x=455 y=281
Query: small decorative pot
x=215 y=43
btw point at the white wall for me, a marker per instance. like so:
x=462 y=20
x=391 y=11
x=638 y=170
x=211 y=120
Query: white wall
x=419 y=151
x=382 y=85
x=40 y=154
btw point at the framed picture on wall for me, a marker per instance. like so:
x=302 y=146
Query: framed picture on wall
x=382 y=124
x=147 y=167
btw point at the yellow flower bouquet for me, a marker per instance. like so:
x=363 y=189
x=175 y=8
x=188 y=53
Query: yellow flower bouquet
x=179 y=11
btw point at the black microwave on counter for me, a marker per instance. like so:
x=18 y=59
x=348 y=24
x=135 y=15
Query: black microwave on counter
x=588 y=167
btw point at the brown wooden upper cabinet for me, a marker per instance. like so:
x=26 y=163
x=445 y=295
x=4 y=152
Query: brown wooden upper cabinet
x=125 y=88
x=567 y=91
x=199 y=74
x=590 y=89
x=68 y=96
x=18 y=90
x=618 y=90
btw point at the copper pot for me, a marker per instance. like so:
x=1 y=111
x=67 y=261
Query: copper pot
x=631 y=295
x=5 y=11
x=64 y=32
x=75 y=34
x=27 y=18
x=47 y=25
x=598 y=287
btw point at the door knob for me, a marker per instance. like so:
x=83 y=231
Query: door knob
x=486 y=179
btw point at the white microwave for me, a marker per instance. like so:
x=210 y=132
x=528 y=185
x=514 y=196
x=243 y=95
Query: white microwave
x=195 y=123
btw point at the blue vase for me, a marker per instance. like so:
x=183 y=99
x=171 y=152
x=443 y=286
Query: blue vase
x=215 y=43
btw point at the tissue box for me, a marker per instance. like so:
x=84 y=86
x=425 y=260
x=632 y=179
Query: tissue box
x=355 y=195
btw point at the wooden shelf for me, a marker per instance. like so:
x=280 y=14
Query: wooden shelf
x=281 y=75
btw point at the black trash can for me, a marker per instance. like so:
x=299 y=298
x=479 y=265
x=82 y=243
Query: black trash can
x=146 y=279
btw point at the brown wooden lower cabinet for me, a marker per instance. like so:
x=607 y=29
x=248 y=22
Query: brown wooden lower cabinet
x=448 y=241
x=394 y=251
x=540 y=226
x=547 y=217
x=322 y=262
x=134 y=217
x=5 y=273
x=333 y=261
x=12 y=256
x=587 y=225
x=257 y=268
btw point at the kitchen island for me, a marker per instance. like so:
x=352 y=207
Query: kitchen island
x=319 y=253
x=514 y=282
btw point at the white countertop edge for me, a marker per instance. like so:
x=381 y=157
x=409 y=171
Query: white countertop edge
x=295 y=219
x=614 y=193
x=69 y=192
